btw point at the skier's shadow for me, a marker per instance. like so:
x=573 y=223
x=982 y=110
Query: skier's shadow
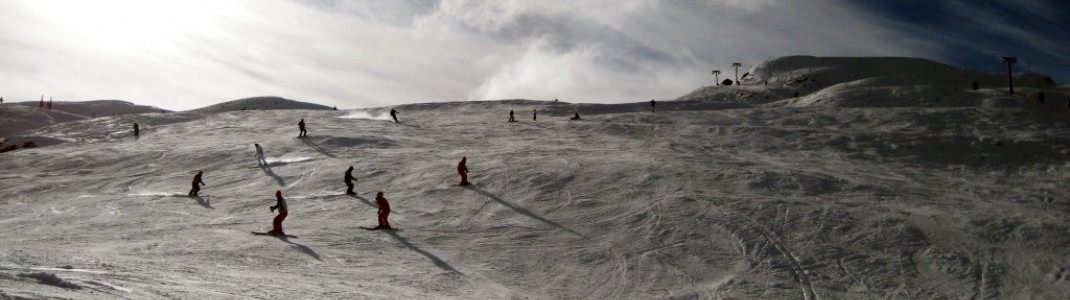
x=362 y=199
x=267 y=169
x=203 y=202
x=303 y=248
x=438 y=261
x=316 y=147
x=522 y=210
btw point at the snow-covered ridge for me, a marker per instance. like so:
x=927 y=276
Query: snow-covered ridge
x=259 y=103
x=873 y=82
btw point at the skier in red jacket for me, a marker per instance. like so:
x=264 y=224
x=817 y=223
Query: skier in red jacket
x=463 y=170
x=384 y=211
x=280 y=204
x=197 y=182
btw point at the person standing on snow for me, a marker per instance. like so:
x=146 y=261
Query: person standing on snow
x=534 y=115
x=384 y=211
x=280 y=204
x=197 y=182
x=511 y=118
x=301 y=125
x=394 y=114
x=349 y=181
x=137 y=130
x=653 y=105
x=260 y=159
x=463 y=170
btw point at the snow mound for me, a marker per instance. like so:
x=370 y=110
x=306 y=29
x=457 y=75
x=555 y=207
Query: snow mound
x=259 y=103
x=870 y=82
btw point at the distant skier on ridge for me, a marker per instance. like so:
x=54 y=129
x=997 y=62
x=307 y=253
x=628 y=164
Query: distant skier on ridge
x=463 y=170
x=197 y=182
x=511 y=118
x=349 y=181
x=653 y=105
x=260 y=159
x=384 y=211
x=280 y=204
x=394 y=114
x=301 y=125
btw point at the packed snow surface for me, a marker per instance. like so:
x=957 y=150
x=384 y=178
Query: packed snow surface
x=711 y=196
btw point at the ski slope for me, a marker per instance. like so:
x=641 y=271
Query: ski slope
x=857 y=195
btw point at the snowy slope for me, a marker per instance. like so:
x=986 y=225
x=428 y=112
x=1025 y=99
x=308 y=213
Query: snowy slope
x=702 y=199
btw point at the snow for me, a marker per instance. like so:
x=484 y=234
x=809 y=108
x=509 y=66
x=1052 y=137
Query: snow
x=859 y=188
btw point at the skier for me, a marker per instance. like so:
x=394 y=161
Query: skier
x=384 y=211
x=511 y=119
x=301 y=125
x=1 y=100
x=137 y=130
x=653 y=105
x=394 y=114
x=260 y=159
x=534 y=115
x=280 y=204
x=577 y=117
x=197 y=182
x=463 y=170
x=349 y=181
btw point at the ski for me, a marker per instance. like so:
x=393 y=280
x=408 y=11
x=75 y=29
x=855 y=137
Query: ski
x=266 y=234
x=376 y=228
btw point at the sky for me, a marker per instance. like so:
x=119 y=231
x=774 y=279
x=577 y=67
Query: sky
x=185 y=54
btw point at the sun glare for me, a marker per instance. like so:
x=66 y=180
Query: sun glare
x=132 y=24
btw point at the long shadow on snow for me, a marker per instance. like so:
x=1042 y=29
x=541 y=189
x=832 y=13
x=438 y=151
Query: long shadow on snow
x=308 y=141
x=522 y=210
x=278 y=178
x=203 y=202
x=438 y=261
x=303 y=248
x=366 y=201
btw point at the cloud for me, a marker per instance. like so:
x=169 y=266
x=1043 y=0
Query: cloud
x=351 y=54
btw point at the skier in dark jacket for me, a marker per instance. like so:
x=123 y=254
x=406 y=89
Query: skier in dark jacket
x=349 y=181
x=534 y=115
x=511 y=118
x=280 y=204
x=301 y=125
x=197 y=182
x=394 y=114
x=384 y=211
x=137 y=130
x=463 y=170
x=653 y=105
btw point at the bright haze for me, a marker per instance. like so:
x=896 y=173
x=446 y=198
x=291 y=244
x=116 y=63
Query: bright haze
x=187 y=54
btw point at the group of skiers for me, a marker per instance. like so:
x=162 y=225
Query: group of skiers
x=380 y=200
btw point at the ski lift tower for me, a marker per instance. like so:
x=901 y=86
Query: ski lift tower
x=1010 y=61
x=715 y=73
x=737 y=65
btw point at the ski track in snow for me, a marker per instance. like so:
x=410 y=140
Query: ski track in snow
x=834 y=194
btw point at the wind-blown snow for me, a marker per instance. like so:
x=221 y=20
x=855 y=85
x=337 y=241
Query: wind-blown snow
x=711 y=196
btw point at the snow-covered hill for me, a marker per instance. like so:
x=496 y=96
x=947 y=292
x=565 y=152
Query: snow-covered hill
x=260 y=103
x=701 y=199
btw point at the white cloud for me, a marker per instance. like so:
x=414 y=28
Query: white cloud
x=187 y=54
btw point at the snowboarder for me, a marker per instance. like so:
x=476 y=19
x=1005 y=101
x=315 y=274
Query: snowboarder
x=137 y=130
x=384 y=211
x=511 y=118
x=1 y=100
x=463 y=170
x=394 y=114
x=349 y=181
x=301 y=125
x=260 y=159
x=280 y=204
x=534 y=115
x=197 y=182
x=653 y=105
x=577 y=117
